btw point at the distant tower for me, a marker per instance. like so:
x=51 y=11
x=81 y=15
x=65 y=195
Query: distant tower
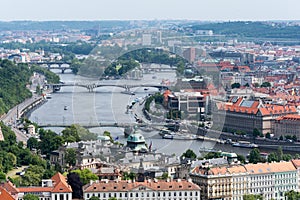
x=141 y=172
x=146 y=39
x=159 y=38
x=98 y=30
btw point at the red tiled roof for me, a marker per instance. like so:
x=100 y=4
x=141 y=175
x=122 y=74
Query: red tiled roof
x=60 y=184
x=289 y=117
x=35 y=189
x=4 y=195
x=10 y=187
x=126 y=186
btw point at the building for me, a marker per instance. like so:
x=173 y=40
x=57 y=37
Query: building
x=231 y=182
x=136 y=142
x=55 y=188
x=239 y=114
x=192 y=103
x=146 y=39
x=5 y=195
x=146 y=190
x=190 y=54
x=272 y=180
x=287 y=125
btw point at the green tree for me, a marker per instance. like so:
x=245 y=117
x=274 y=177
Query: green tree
x=252 y=197
x=273 y=157
x=189 y=154
x=268 y=135
x=265 y=84
x=255 y=156
x=241 y=158
x=279 y=153
x=85 y=175
x=211 y=155
x=256 y=132
x=71 y=156
x=281 y=137
x=50 y=141
x=292 y=195
x=33 y=176
x=235 y=85
x=294 y=138
x=94 y=198
x=2 y=177
x=32 y=143
x=30 y=197
x=165 y=176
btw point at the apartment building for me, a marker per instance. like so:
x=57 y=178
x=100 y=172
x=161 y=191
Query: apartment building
x=271 y=180
x=146 y=190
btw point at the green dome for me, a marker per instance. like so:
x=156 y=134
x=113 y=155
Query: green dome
x=136 y=137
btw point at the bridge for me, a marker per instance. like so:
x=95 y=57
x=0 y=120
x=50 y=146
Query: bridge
x=92 y=86
x=106 y=124
x=54 y=65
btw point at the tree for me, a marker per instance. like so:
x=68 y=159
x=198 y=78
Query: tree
x=252 y=197
x=256 y=132
x=2 y=177
x=32 y=143
x=292 y=195
x=164 y=176
x=265 y=84
x=235 y=85
x=33 y=176
x=76 y=185
x=294 y=138
x=30 y=197
x=211 y=155
x=246 y=85
x=279 y=153
x=272 y=157
x=241 y=158
x=268 y=135
x=94 y=198
x=86 y=175
x=281 y=137
x=189 y=154
x=255 y=156
x=71 y=156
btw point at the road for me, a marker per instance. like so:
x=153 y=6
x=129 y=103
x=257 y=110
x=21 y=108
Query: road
x=10 y=119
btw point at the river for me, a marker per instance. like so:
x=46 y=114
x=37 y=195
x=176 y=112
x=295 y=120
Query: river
x=108 y=104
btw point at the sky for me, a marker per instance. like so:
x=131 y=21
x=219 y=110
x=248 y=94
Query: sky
x=225 y=10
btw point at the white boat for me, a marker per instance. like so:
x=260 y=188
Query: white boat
x=167 y=136
x=245 y=144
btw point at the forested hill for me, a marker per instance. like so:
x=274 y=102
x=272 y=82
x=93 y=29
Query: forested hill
x=13 y=81
x=252 y=29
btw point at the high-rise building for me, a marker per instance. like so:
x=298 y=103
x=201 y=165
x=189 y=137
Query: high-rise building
x=146 y=39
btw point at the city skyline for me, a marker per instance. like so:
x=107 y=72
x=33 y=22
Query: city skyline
x=150 y=10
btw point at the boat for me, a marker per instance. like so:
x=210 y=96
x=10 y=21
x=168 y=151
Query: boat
x=48 y=96
x=164 y=131
x=244 y=144
x=168 y=136
x=128 y=92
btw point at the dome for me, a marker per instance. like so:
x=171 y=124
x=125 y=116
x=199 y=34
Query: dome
x=136 y=137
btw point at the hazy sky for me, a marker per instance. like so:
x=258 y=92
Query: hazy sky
x=149 y=9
